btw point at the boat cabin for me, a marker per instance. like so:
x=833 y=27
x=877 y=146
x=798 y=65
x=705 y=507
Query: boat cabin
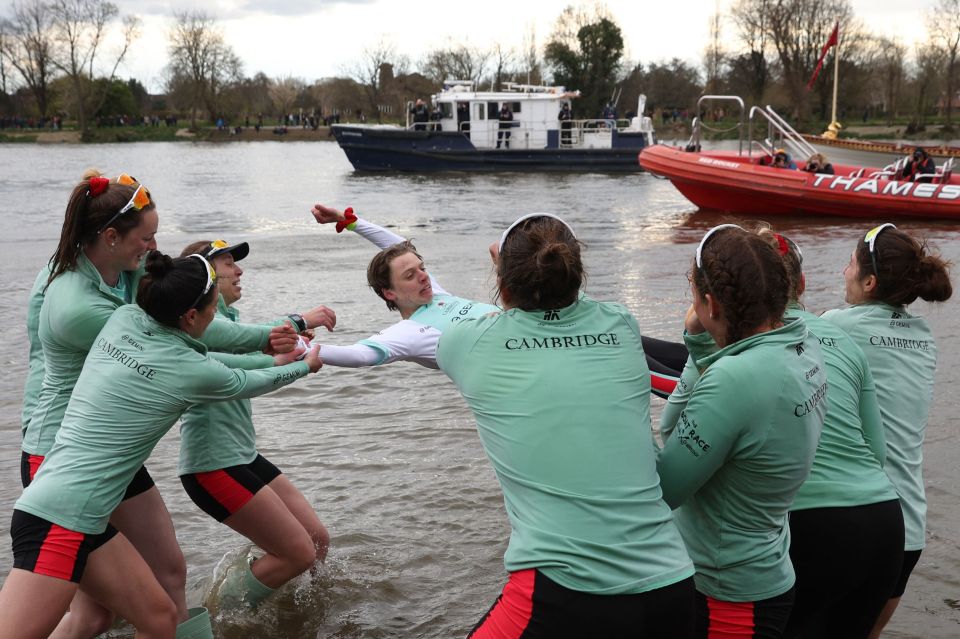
x=536 y=123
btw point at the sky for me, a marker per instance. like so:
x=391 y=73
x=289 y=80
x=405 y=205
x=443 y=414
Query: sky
x=313 y=39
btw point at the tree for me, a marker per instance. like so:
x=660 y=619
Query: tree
x=943 y=25
x=456 y=62
x=797 y=30
x=6 y=28
x=254 y=94
x=673 y=84
x=503 y=62
x=927 y=82
x=284 y=92
x=530 y=64
x=202 y=65
x=29 y=49
x=590 y=62
x=119 y=99
x=714 y=58
x=750 y=70
x=374 y=70
x=890 y=68
x=79 y=27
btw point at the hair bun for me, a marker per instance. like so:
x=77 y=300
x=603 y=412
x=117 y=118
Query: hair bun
x=158 y=264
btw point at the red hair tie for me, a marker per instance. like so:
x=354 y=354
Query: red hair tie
x=782 y=243
x=348 y=219
x=98 y=185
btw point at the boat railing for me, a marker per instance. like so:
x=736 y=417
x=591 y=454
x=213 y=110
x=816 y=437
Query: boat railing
x=895 y=170
x=779 y=133
x=698 y=122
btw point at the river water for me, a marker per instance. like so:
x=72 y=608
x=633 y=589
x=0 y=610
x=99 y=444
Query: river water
x=390 y=457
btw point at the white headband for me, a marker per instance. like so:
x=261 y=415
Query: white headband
x=503 y=237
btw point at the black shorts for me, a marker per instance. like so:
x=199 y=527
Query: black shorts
x=44 y=548
x=910 y=559
x=29 y=464
x=532 y=606
x=665 y=361
x=764 y=619
x=847 y=562
x=220 y=493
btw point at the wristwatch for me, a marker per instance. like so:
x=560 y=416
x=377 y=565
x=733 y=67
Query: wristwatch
x=298 y=322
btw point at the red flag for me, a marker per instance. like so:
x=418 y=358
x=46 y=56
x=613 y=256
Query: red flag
x=832 y=41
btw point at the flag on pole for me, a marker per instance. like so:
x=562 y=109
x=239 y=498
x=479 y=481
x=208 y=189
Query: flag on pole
x=832 y=41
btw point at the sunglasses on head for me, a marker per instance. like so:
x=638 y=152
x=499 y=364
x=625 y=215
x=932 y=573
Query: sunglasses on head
x=870 y=239
x=706 y=236
x=139 y=199
x=211 y=279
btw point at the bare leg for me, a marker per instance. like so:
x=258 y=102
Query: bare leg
x=885 y=615
x=117 y=576
x=146 y=523
x=266 y=521
x=32 y=605
x=86 y=619
x=297 y=504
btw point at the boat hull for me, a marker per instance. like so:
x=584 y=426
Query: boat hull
x=386 y=149
x=728 y=182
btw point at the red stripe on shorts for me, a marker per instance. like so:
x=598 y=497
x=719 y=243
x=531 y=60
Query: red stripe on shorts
x=511 y=614
x=34 y=462
x=663 y=383
x=58 y=554
x=226 y=490
x=729 y=619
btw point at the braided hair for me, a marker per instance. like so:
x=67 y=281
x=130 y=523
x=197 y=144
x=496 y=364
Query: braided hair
x=747 y=278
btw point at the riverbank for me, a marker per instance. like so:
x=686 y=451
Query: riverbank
x=165 y=134
x=670 y=133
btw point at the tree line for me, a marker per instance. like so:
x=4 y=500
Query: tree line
x=54 y=61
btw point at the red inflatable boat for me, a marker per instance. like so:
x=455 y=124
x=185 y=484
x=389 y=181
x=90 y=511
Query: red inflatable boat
x=737 y=183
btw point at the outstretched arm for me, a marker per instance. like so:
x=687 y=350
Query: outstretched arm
x=378 y=235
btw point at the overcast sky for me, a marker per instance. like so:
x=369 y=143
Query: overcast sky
x=312 y=39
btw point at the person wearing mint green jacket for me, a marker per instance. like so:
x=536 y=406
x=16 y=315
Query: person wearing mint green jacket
x=745 y=441
x=35 y=369
x=888 y=270
x=846 y=529
x=560 y=390
x=224 y=474
x=145 y=368
x=109 y=225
